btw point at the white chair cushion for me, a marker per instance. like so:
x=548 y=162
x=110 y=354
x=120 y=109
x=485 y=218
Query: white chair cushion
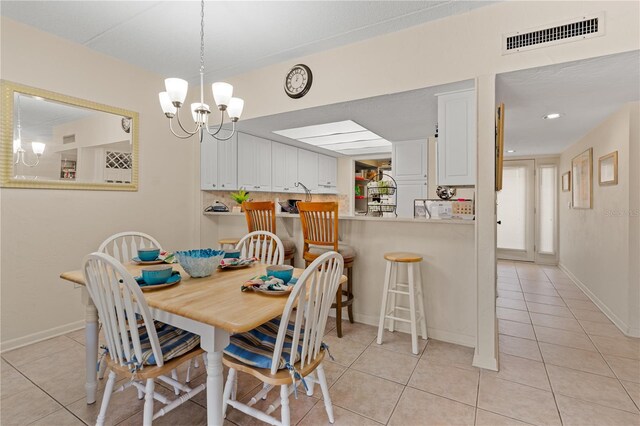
x=345 y=250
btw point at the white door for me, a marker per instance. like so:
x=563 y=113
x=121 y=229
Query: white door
x=516 y=204
x=228 y=164
x=409 y=160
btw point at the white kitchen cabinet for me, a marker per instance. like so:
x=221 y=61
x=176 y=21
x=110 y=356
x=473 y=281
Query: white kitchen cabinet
x=284 y=167
x=327 y=174
x=407 y=192
x=209 y=165
x=456 y=148
x=409 y=160
x=308 y=169
x=254 y=163
x=227 y=164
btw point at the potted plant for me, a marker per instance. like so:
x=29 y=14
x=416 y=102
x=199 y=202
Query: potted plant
x=239 y=197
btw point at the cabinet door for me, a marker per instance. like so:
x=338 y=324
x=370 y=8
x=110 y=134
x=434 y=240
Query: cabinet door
x=308 y=169
x=291 y=168
x=228 y=164
x=407 y=192
x=209 y=165
x=327 y=174
x=284 y=167
x=409 y=160
x=262 y=153
x=456 y=149
x=247 y=162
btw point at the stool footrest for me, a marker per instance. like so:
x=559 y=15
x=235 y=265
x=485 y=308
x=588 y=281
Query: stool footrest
x=397 y=318
x=406 y=293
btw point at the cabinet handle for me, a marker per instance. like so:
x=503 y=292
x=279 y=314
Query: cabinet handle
x=256 y=187
x=425 y=175
x=286 y=189
x=328 y=183
x=223 y=185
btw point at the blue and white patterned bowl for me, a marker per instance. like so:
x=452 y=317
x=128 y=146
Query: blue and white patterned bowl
x=200 y=262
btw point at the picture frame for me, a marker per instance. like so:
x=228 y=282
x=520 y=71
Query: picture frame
x=582 y=180
x=566 y=181
x=499 y=145
x=608 y=169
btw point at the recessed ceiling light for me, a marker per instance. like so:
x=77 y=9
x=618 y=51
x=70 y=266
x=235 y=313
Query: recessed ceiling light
x=511 y=151
x=552 y=116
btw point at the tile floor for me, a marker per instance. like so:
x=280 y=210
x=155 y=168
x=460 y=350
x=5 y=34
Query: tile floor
x=562 y=361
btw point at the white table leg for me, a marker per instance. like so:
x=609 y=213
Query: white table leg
x=91 y=346
x=214 y=388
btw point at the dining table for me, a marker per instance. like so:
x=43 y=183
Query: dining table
x=212 y=307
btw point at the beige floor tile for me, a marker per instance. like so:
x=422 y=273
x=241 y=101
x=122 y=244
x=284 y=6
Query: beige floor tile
x=626 y=347
x=564 y=338
x=513 y=315
x=344 y=351
x=401 y=342
x=360 y=333
x=511 y=303
x=601 y=329
x=318 y=417
x=366 y=395
x=565 y=285
x=299 y=408
x=516 y=329
x=581 y=304
x=547 y=300
x=487 y=418
x=517 y=401
x=580 y=413
x=552 y=321
x=573 y=294
x=516 y=295
x=541 y=308
x=27 y=407
x=444 y=353
x=625 y=368
x=331 y=324
x=46 y=348
x=507 y=273
x=12 y=381
x=332 y=372
x=415 y=407
x=450 y=382
x=510 y=279
x=578 y=359
x=195 y=414
x=541 y=288
x=386 y=364
x=521 y=370
x=633 y=389
x=589 y=315
x=532 y=275
x=509 y=286
x=247 y=384
x=61 y=417
x=520 y=347
x=590 y=387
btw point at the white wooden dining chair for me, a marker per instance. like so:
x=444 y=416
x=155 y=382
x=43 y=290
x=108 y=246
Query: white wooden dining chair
x=124 y=245
x=301 y=326
x=264 y=246
x=133 y=348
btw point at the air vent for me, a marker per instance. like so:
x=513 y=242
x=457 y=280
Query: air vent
x=564 y=32
x=69 y=139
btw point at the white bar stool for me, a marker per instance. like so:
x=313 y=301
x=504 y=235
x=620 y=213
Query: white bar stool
x=231 y=242
x=412 y=289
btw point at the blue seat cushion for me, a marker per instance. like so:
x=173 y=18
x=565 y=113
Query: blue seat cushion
x=173 y=342
x=255 y=347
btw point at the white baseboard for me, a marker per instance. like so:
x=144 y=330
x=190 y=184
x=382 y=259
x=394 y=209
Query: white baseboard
x=624 y=327
x=484 y=362
x=40 y=336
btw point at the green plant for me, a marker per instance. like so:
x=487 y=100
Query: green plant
x=239 y=197
x=383 y=187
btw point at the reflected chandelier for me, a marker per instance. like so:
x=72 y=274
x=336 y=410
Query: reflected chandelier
x=37 y=147
x=176 y=92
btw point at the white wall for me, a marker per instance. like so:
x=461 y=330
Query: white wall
x=46 y=232
x=597 y=245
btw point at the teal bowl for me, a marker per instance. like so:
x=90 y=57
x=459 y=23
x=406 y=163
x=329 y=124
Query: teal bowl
x=157 y=274
x=283 y=272
x=148 y=254
x=232 y=254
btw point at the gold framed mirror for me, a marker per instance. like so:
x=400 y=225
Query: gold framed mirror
x=54 y=141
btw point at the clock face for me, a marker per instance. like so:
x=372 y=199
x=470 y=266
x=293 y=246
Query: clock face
x=298 y=81
x=126 y=124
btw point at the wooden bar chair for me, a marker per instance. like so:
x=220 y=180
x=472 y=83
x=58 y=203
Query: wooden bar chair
x=261 y=216
x=264 y=246
x=137 y=345
x=266 y=351
x=320 y=232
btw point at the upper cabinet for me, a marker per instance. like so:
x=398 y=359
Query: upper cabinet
x=284 y=167
x=456 y=148
x=327 y=174
x=254 y=163
x=308 y=169
x=227 y=163
x=409 y=160
x=209 y=165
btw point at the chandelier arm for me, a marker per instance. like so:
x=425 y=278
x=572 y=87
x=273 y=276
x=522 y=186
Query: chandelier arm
x=182 y=127
x=187 y=136
x=21 y=157
x=219 y=127
x=233 y=132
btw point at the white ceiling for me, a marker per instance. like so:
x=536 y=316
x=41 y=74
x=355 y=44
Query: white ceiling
x=585 y=92
x=164 y=37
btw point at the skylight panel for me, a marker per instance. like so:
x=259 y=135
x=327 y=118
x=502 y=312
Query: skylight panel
x=338 y=127
x=364 y=135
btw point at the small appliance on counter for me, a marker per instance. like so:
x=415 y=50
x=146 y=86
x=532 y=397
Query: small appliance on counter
x=217 y=207
x=459 y=208
x=289 y=206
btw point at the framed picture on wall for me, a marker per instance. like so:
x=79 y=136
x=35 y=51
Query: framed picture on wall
x=608 y=169
x=566 y=182
x=582 y=180
x=499 y=145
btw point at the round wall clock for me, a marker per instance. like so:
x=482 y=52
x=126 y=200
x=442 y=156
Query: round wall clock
x=298 y=81
x=126 y=124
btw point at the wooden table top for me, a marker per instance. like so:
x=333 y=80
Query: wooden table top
x=215 y=300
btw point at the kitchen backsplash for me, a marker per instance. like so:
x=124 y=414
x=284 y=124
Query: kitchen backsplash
x=210 y=197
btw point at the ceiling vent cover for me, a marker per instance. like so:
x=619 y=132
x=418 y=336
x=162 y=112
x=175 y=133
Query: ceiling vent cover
x=564 y=32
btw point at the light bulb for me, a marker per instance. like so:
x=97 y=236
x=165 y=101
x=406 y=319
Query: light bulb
x=167 y=106
x=222 y=93
x=177 y=90
x=38 y=148
x=17 y=144
x=235 y=108
x=202 y=116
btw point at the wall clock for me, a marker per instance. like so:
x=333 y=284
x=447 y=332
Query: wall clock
x=298 y=81
x=126 y=124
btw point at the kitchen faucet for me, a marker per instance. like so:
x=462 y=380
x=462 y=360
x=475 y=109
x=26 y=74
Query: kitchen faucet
x=307 y=192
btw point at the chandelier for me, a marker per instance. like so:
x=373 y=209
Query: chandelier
x=176 y=92
x=19 y=151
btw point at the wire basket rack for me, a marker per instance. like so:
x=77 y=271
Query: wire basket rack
x=382 y=199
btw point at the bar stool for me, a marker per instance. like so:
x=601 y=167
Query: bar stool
x=319 y=222
x=228 y=242
x=261 y=216
x=412 y=289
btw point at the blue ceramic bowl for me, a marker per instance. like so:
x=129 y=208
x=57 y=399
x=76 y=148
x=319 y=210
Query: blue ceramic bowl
x=157 y=274
x=200 y=262
x=283 y=272
x=148 y=254
x=232 y=254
